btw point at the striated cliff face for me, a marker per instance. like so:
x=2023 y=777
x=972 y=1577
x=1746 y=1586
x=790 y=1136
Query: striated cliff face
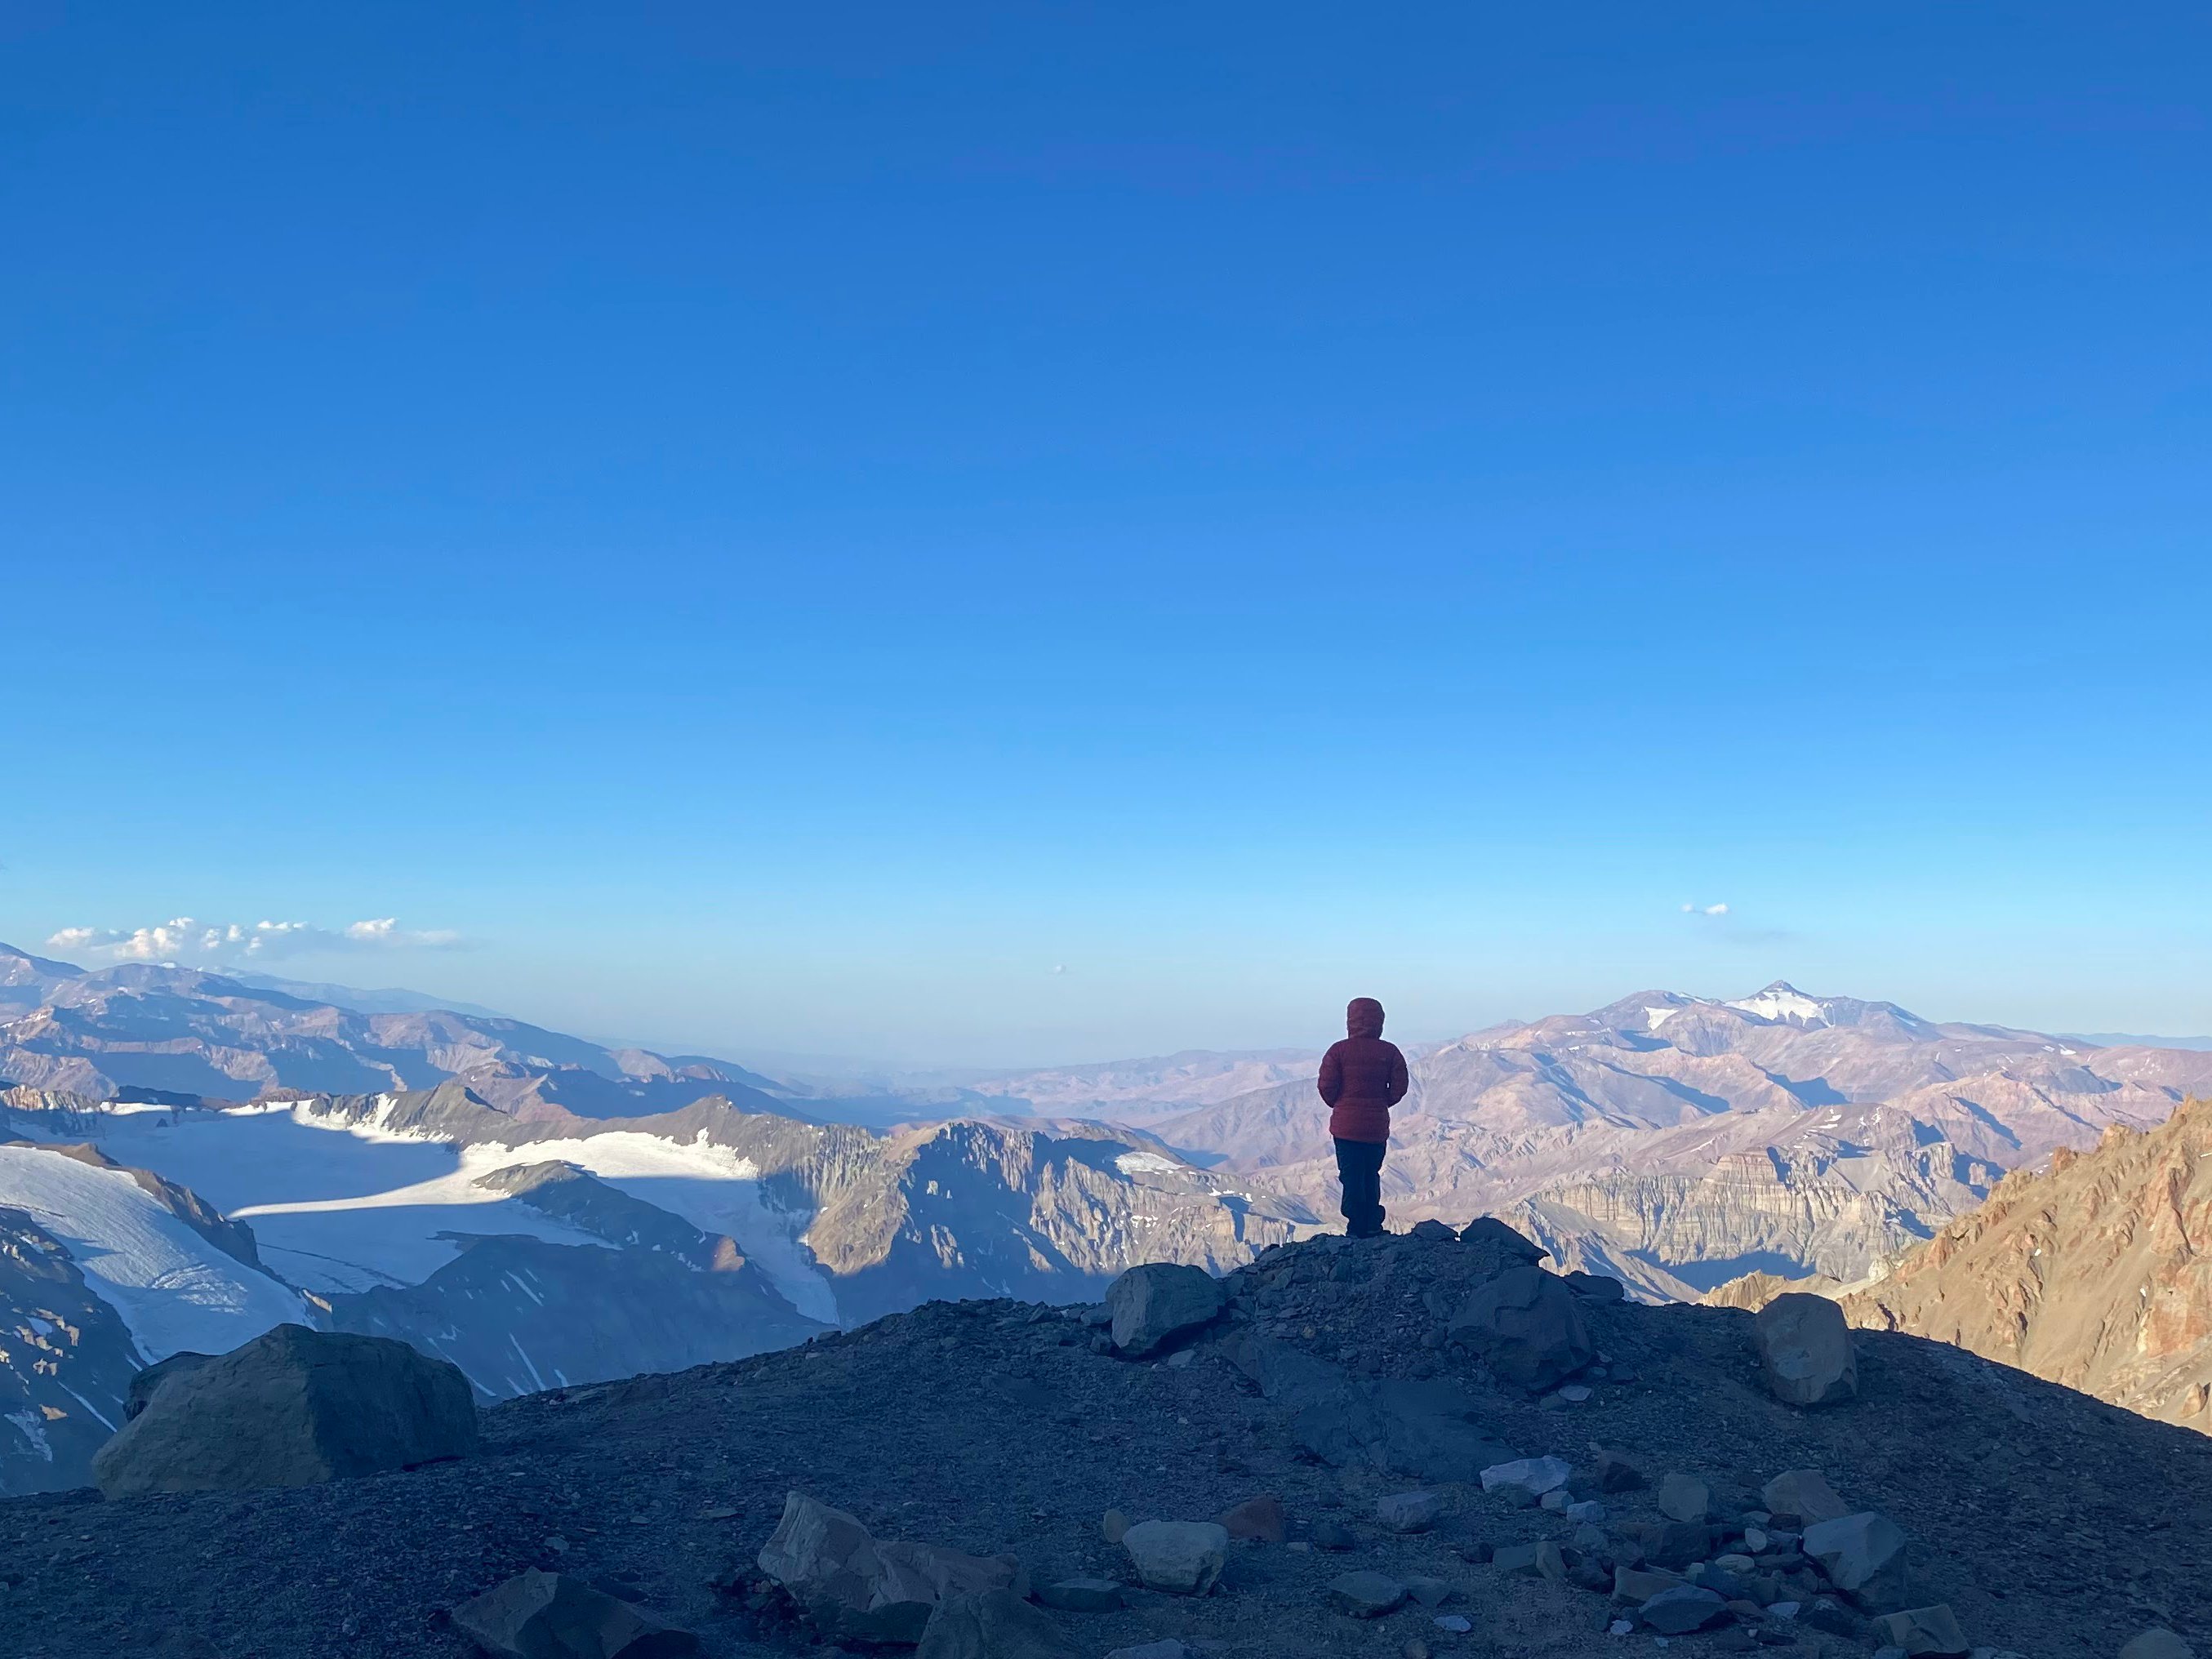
x=2096 y=1273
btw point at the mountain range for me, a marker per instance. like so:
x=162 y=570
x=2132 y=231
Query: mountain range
x=542 y=1209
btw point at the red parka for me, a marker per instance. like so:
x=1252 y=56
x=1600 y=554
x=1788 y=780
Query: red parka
x=1362 y=1076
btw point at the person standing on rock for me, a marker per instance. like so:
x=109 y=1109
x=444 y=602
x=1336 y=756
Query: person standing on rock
x=1362 y=1077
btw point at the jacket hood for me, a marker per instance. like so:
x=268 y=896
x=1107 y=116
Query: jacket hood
x=1362 y=1018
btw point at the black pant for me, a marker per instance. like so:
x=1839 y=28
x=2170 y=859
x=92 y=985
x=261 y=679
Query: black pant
x=1359 y=1166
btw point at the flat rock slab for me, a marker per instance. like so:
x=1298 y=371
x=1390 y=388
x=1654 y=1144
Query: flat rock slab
x=1534 y=1474
x=1081 y=1595
x=1805 y=1494
x=1681 y=1608
x=1367 y=1595
x=1863 y=1554
x=995 y=1624
x=1681 y=1498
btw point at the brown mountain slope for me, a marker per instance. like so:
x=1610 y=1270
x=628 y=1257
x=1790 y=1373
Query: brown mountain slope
x=2096 y=1273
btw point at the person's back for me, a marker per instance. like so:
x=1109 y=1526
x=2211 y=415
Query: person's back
x=1362 y=1077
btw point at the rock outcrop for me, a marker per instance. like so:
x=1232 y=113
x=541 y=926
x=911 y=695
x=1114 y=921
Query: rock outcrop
x=2096 y=1273
x=549 y=1615
x=290 y=1408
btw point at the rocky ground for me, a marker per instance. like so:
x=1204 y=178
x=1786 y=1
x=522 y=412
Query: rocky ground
x=2052 y=1525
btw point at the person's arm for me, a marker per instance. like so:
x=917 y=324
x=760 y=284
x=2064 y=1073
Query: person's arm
x=1399 y=1081
x=1331 y=1081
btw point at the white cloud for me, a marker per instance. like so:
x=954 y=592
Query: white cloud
x=1716 y=909
x=1704 y=909
x=182 y=939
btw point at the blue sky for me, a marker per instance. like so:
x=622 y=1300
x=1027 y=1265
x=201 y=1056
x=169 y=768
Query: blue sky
x=1014 y=534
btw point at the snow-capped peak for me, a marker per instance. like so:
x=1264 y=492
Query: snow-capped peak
x=1784 y=1002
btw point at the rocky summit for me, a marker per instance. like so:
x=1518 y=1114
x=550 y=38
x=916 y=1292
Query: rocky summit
x=1323 y=1453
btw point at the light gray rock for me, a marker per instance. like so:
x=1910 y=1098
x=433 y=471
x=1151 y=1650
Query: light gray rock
x=1556 y=1500
x=1806 y=1348
x=1533 y=1474
x=1457 y=1624
x=1640 y=1585
x=1590 y=1512
x=996 y=1624
x=1680 y=1608
x=1805 y=1494
x=1864 y=1555
x=853 y=1587
x=1155 y=1304
x=1081 y=1595
x=2157 y=1643
x=1409 y=1511
x=550 y=1615
x=1430 y=1592
x=1366 y=1594
x=1112 y=1525
x=1182 y=1556
x=1931 y=1631
x=293 y=1408
x=1683 y=1497
x=1526 y=1326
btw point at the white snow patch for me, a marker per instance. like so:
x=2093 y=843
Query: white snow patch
x=1659 y=1017
x=172 y=1289
x=1781 y=1003
x=1146 y=1163
x=33 y=1429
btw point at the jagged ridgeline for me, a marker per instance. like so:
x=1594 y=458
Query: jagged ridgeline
x=541 y=1252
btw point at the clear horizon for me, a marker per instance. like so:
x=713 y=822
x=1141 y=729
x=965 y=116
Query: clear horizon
x=996 y=539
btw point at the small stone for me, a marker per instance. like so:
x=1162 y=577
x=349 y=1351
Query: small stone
x=1170 y=1649
x=1113 y=1525
x=1735 y=1563
x=1923 y=1631
x=1184 y=1557
x=1590 y=1512
x=1683 y=1497
x=1756 y=1538
x=1534 y=1474
x=1456 y=1624
x=1333 y=1535
x=1367 y=1595
x=1640 y=1585
x=1620 y=1471
x=1557 y=1500
x=1414 y=1649
x=1621 y=1627
x=1590 y=1540
x=1575 y=1393
x=1081 y=1595
x=1430 y=1592
x=1258 y=1520
x=1181 y=1359
x=1542 y=1560
x=1681 y=1608
x=1409 y=1511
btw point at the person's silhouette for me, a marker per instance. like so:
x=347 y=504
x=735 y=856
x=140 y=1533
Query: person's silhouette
x=1362 y=1077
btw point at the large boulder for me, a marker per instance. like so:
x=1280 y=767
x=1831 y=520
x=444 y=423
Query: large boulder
x=854 y=1588
x=2157 y=1643
x=995 y=1624
x=549 y=1615
x=1155 y=1304
x=1806 y=1347
x=1680 y=1608
x=1526 y=1326
x=293 y=1408
x=1182 y=1556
